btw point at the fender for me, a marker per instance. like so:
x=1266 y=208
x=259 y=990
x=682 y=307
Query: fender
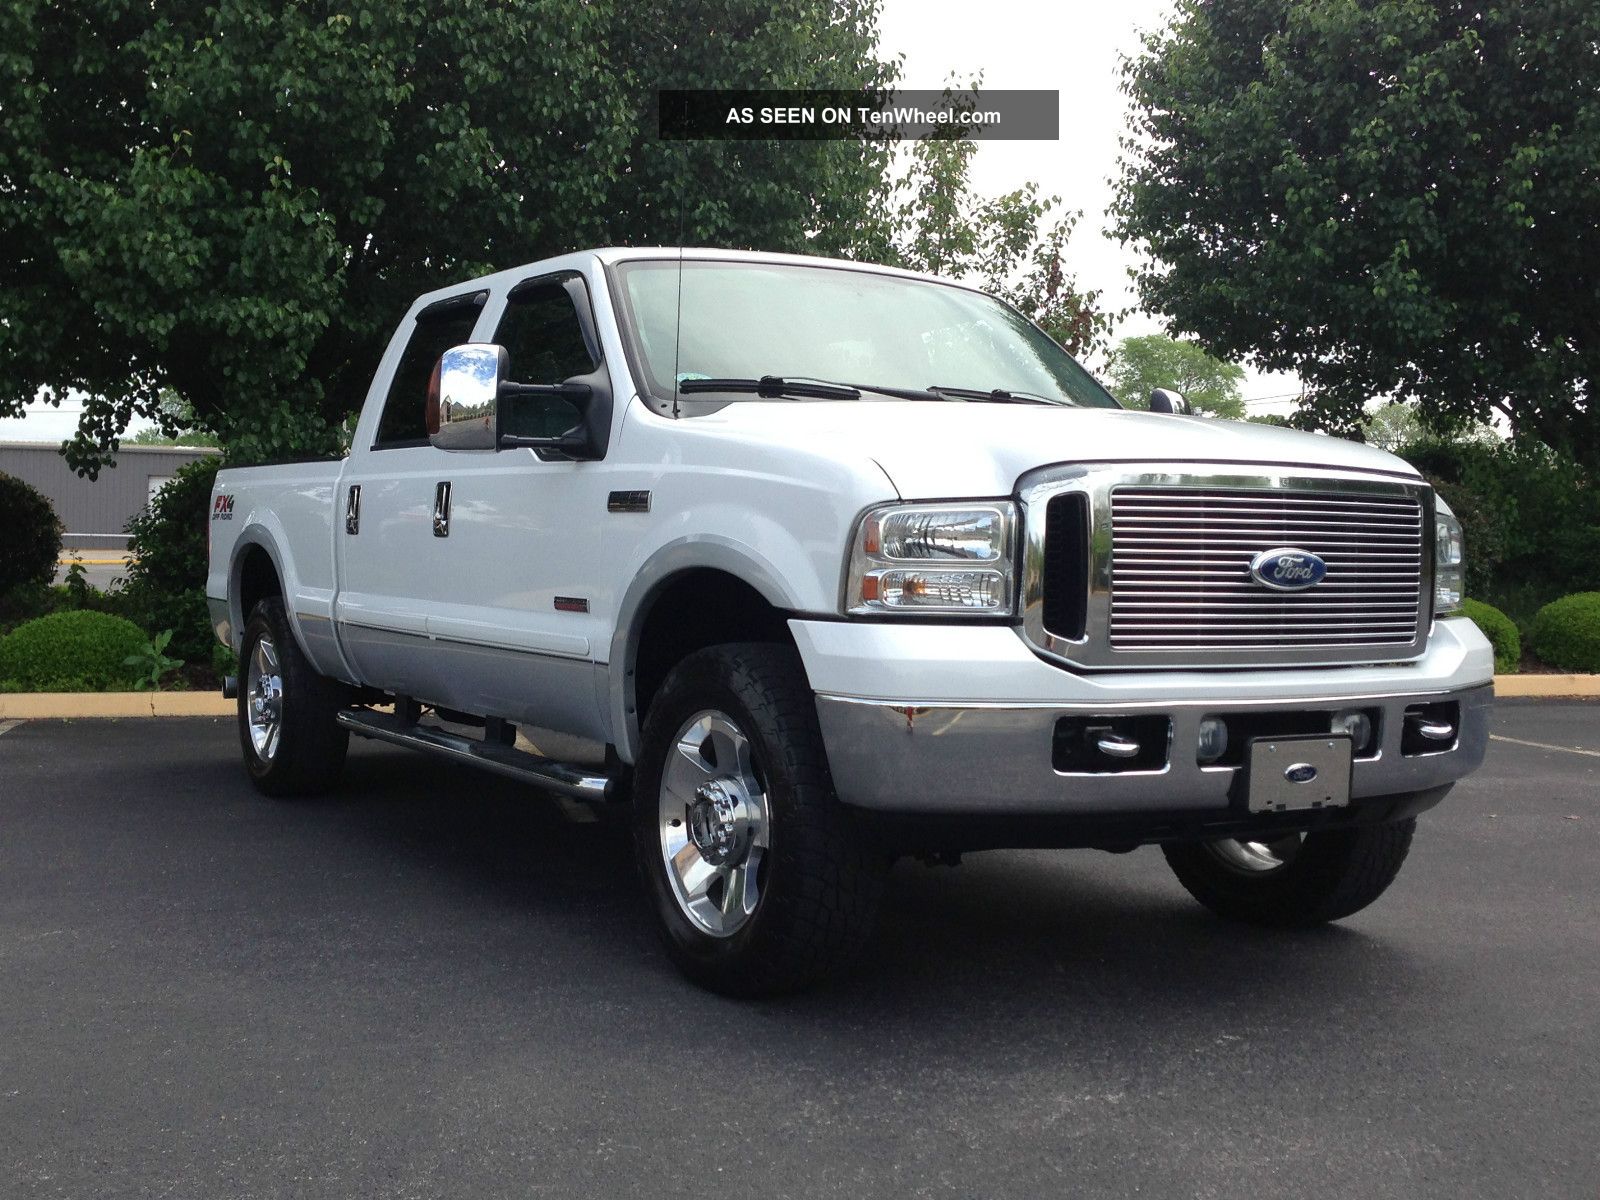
x=324 y=651
x=697 y=551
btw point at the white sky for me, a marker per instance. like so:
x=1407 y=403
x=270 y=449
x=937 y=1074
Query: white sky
x=1070 y=46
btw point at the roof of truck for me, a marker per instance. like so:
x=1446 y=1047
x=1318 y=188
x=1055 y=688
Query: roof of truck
x=609 y=255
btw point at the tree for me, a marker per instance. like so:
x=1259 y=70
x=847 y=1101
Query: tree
x=1387 y=197
x=237 y=199
x=175 y=425
x=1141 y=364
x=1002 y=243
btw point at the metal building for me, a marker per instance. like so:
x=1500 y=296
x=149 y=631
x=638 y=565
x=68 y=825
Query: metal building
x=95 y=513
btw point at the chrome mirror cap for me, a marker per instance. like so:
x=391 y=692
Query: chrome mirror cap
x=463 y=395
x=1165 y=400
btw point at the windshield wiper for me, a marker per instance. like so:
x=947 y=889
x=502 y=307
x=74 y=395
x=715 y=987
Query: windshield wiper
x=998 y=396
x=773 y=387
x=777 y=386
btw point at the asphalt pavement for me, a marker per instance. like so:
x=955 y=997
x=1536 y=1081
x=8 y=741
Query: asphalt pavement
x=434 y=985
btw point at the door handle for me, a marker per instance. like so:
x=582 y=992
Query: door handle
x=352 y=510
x=441 y=510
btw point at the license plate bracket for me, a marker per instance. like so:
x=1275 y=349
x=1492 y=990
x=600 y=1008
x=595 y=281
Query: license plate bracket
x=1292 y=774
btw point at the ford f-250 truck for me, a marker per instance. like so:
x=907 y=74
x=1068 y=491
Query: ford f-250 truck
x=806 y=565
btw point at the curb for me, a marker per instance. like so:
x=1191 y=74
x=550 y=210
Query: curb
x=59 y=706
x=1507 y=687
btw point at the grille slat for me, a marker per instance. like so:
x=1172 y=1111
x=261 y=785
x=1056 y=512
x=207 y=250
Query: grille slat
x=1180 y=569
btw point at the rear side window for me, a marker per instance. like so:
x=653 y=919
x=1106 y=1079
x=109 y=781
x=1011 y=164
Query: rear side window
x=438 y=327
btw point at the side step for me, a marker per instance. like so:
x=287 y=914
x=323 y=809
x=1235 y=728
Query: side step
x=563 y=778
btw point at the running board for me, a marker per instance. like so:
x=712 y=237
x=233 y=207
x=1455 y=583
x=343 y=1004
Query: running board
x=562 y=778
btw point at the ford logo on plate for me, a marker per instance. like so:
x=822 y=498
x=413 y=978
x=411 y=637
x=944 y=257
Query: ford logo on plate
x=1286 y=569
x=1300 y=773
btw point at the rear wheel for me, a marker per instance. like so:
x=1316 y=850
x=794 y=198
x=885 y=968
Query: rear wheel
x=1294 y=879
x=288 y=729
x=760 y=880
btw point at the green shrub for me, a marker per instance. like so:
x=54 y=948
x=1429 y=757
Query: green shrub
x=1501 y=631
x=71 y=652
x=31 y=543
x=167 y=577
x=1566 y=633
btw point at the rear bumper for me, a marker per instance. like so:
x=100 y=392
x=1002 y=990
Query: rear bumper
x=1000 y=759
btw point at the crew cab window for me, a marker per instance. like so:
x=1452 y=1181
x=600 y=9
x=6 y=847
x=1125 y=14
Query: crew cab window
x=545 y=341
x=438 y=327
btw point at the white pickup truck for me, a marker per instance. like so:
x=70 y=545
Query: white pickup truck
x=807 y=565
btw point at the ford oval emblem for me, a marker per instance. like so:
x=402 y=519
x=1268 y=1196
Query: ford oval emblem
x=1300 y=773
x=1286 y=569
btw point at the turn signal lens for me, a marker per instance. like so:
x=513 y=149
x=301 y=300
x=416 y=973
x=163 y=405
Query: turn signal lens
x=1449 y=562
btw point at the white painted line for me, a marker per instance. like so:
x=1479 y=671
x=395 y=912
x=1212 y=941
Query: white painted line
x=8 y=726
x=1495 y=737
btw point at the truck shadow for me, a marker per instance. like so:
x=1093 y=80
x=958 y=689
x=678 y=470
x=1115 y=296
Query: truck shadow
x=1011 y=944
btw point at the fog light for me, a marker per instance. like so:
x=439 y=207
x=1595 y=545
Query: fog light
x=1357 y=724
x=1213 y=743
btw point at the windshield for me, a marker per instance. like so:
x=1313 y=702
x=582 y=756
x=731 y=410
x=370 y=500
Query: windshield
x=746 y=320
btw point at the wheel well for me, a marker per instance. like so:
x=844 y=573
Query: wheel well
x=696 y=609
x=258 y=579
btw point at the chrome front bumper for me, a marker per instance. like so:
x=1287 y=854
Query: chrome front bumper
x=994 y=759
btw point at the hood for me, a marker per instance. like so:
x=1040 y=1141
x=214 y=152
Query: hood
x=934 y=451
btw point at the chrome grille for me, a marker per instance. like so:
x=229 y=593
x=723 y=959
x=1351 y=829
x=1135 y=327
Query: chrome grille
x=1180 y=569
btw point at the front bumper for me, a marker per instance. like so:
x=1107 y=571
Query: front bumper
x=998 y=759
x=963 y=721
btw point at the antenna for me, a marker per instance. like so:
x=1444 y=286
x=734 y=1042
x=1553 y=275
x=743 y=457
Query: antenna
x=677 y=336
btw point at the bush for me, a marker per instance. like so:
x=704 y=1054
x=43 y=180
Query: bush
x=167 y=577
x=1501 y=631
x=1566 y=633
x=71 y=652
x=31 y=543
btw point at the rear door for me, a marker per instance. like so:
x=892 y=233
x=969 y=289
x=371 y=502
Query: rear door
x=389 y=558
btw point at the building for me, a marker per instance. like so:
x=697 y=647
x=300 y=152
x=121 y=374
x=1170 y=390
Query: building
x=95 y=512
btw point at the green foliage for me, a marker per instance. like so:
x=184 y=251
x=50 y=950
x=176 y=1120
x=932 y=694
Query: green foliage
x=150 y=664
x=1388 y=197
x=235 y=200
x=1566 y=633
x=1141 y=364
x=70 y=652
x=1531 y=519
x=1000 y=243
x=31 y=542
x=166 y=579
x=1501 y=631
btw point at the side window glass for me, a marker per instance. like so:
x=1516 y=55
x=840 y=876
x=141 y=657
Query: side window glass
x=404 y=420
x=545 y=343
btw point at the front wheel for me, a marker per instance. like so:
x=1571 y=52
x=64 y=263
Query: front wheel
x=288 y=728
x=1294 y=879
x=760 y=880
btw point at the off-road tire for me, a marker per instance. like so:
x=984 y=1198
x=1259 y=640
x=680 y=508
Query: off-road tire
x=823 y=877
x=312 y=744
x=1335 y=873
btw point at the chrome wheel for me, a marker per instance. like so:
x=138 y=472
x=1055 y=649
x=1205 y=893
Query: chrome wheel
x=1257 y=858
x=714 y=823
x=264 y=699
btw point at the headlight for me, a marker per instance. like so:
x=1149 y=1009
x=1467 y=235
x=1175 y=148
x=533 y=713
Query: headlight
x=949 y=559
x=1449 y=567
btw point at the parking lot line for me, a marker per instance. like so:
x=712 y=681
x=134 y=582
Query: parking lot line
x=1495 y=737
x=8 y=726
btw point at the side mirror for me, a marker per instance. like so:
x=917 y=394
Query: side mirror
x=1165 y=400
x=466 y=394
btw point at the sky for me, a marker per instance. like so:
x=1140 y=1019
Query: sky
x=1070 y=46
